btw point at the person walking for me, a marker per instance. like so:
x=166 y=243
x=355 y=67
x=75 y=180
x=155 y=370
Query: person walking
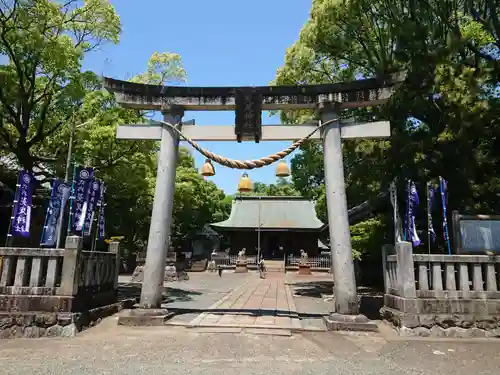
x=262 y=268
x=220 y=270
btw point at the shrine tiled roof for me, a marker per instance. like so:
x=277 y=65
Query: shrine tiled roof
x=293 y=213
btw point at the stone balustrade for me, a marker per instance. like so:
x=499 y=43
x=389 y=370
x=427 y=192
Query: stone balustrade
x=58 y=280
x=441 y=295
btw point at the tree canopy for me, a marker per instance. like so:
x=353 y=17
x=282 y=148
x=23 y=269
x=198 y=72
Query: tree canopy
x=281 y=188
x=445 y=117
x=42 y=84
x=44 y=93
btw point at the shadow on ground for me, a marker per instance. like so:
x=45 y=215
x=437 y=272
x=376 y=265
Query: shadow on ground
x=372 y=300
x=133 y=291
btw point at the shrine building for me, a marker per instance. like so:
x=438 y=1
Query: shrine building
x=287 y=225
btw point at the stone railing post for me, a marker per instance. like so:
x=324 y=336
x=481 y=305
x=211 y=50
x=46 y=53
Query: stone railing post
x=387 y=249
x=71 y=266
x=114 y=248
x=406 y=271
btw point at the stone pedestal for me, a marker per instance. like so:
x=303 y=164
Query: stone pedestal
x=138 y=275
x=304 y=269
x=341 y=322
x=144 y=317
x=170 y=273
x=241 y=267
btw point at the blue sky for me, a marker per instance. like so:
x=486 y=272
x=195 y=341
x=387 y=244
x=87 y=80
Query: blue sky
x=222 y=43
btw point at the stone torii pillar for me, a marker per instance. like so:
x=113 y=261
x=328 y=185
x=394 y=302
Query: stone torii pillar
x=345 y=315
x=161 y=217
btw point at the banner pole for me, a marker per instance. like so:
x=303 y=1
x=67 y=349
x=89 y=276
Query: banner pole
x=445 y=219
x=46 y=218
x=71 y=198
x=429 y=213
x=10 y=238
x=428 y=219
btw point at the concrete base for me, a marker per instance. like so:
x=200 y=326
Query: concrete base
x=304 y=269
x=339 y=322
x=144 y=317
x=241 y=268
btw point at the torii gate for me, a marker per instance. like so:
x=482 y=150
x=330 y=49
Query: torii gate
x=248 y=103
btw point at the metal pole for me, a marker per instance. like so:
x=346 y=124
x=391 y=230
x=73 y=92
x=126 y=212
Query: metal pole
x=429 y=215
x=10 y=238
x=445 y=218
x=428 y=220
x=66 y=178
x=258 y=234
x=94 y=242
x=72 y=194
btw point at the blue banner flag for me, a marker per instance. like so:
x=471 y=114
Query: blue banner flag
x=58 y=199
x=94 y=196
x=81 y=191
x=431 y=192
x=100 y=225
x=412 y=202
x=22 y=206
x=443 y=187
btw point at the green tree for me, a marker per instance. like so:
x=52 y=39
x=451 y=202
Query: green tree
x=196 y=202
x=41 y=83
x=282 y=188
x=44 y=92
x=163 y=68
x=445 y=116
x=128 y=168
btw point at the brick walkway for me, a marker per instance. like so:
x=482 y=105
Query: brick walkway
x=258 y=303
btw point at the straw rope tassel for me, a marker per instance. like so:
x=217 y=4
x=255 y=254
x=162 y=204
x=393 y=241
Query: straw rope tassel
x=247 y=164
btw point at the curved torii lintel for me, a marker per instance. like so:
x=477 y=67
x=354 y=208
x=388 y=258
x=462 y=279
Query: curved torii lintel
x=359 y=93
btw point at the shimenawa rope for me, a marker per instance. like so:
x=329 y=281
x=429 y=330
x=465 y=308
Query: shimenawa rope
x=247 y=164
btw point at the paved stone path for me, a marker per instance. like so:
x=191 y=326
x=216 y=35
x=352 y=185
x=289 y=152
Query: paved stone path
x=257 y=304
x=244 y=300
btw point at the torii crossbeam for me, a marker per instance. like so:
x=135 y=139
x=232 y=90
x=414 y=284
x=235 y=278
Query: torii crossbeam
x=248 y=103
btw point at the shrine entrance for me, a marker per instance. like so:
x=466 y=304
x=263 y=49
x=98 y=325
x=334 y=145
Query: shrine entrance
x=275 y=249
x=248 y=104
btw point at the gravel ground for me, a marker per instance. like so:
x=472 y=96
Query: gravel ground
x=112 y=349
x=108 y=349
